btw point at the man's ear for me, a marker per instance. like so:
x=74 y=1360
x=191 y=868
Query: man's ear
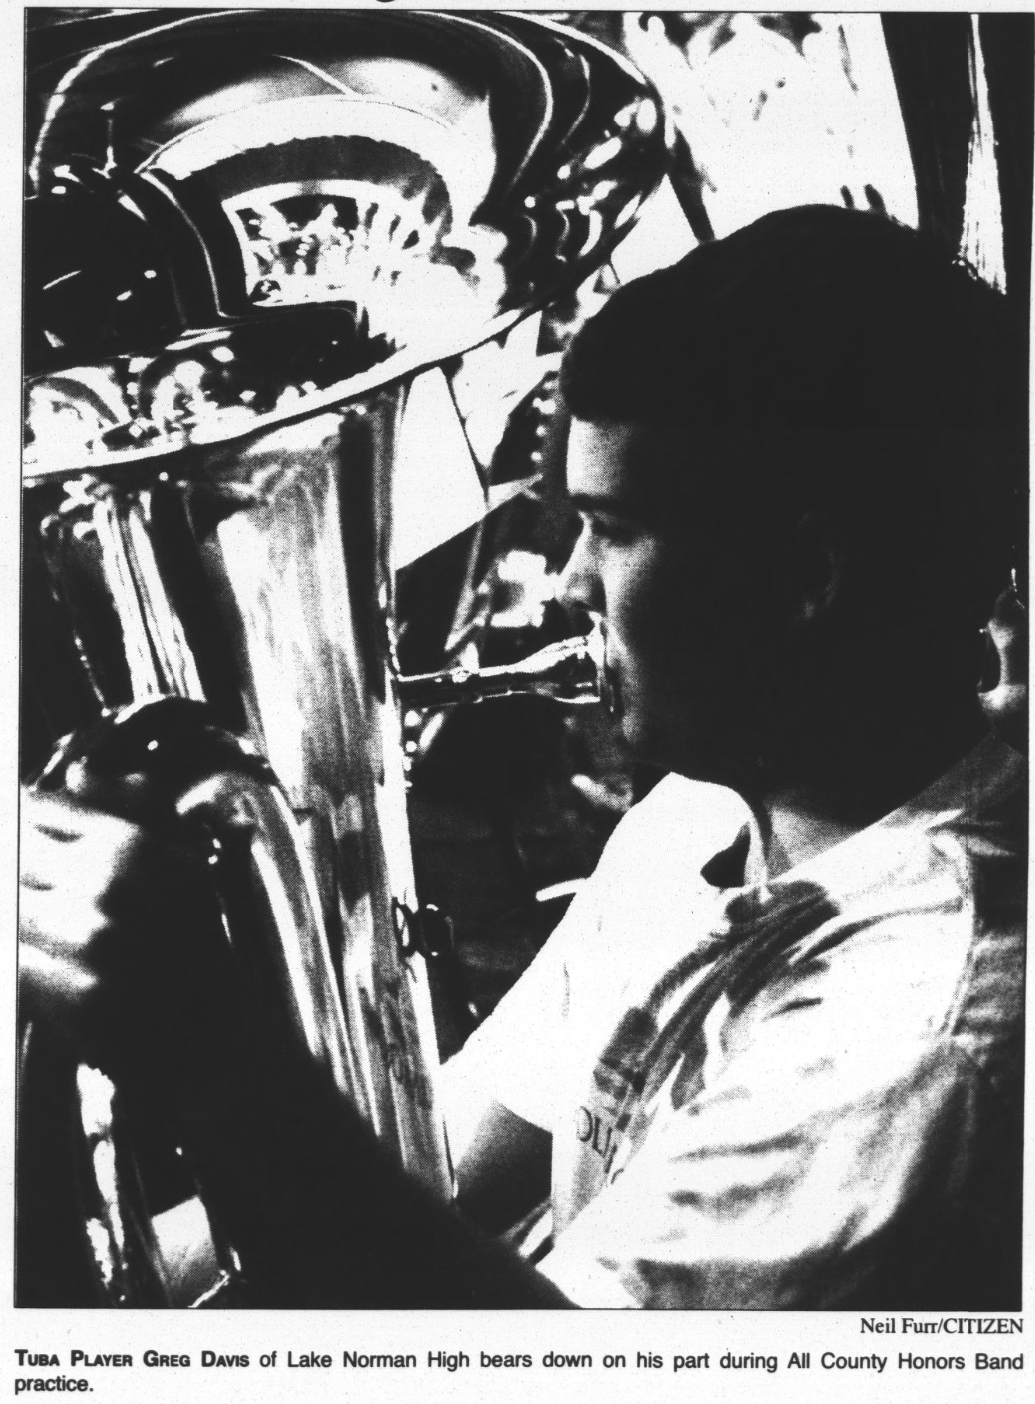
x=814 y=566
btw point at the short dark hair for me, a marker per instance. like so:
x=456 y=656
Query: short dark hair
x=856 y=364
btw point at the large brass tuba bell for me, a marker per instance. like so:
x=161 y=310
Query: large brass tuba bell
x=250 y=233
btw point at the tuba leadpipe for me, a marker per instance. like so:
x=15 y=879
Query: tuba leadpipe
x=570 y=671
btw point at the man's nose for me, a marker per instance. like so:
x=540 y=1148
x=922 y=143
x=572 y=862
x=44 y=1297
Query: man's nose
x=580 y=586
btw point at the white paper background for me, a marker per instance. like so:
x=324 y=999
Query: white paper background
x=535 y=1333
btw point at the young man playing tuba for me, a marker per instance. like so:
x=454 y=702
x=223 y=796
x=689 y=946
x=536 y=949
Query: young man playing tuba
x=772 y=1057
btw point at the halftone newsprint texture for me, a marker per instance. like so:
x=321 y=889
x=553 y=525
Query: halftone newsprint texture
x=304 y=602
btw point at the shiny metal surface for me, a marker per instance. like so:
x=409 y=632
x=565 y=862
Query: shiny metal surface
x=230 y=586
x=570 y=671
x=250 y=231
x=245 y=218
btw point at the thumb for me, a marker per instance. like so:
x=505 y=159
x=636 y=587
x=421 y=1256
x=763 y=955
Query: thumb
x=1006 y=704
x=1008 y=630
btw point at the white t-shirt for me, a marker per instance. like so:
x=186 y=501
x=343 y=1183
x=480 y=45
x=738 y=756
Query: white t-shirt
x=797 y=1094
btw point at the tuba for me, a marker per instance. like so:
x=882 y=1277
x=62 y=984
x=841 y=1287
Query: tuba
x=257 y=243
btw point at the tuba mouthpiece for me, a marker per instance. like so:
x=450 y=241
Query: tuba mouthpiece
x=570 y=671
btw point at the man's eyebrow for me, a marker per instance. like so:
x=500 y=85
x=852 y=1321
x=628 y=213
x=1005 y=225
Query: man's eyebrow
x=613 y=506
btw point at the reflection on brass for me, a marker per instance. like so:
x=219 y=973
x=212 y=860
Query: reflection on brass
x=570 y=671
x=347 y=199
x=248 y=233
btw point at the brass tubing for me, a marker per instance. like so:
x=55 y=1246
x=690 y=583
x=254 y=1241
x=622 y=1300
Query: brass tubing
x=570 y=671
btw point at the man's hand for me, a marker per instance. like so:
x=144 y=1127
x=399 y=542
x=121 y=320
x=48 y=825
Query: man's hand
x=121 y=945
x=121 y=949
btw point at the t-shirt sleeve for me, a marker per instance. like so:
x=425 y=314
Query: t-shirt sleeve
x=526 y=1053
x=514 y=1056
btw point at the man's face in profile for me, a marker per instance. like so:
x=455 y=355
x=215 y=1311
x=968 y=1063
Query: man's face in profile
x=677 y=581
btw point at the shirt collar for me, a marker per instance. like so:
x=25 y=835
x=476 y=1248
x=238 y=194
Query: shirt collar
x=977 y=789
